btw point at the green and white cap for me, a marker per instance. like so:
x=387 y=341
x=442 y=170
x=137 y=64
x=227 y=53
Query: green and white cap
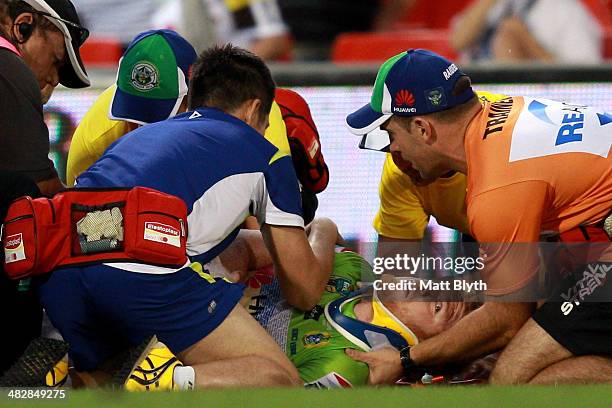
x=153 y=77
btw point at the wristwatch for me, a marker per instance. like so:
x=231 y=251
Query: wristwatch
x=411 y=370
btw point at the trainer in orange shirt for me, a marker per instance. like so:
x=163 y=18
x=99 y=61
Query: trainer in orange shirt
x=533 y=166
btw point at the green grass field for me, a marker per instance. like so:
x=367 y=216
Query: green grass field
x=448 y=397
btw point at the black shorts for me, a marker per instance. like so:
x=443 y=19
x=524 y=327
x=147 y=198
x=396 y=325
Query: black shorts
x=579 y=317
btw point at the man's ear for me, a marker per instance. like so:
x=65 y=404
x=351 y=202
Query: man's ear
x=251 y=113
x=22 y=28
x=424 y=128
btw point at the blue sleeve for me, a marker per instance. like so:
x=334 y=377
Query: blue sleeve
x=284 y=206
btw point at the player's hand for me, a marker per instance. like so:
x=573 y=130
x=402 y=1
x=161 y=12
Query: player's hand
x=385 y=365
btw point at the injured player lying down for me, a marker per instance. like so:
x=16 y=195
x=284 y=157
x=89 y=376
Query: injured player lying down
x=346 y=316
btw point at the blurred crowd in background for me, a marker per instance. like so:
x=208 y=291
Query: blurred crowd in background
x=355 y=31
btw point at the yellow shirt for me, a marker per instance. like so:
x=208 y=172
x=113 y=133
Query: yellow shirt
x=93 y=135
x=96 y=132
x=405 y=208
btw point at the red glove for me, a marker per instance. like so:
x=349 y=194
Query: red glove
x=303 y=140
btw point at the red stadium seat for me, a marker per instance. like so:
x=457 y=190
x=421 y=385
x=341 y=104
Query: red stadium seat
x=99 y=52
x=601 y=10
x=608 y=43
x=377 y=47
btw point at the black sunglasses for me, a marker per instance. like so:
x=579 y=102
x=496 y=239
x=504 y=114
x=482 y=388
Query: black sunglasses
x=79 y=33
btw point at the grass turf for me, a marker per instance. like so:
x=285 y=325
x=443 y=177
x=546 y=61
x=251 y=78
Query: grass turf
x=448 y=397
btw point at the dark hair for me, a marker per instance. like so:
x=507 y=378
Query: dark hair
x=11 y=9
x=224 y=77
x=4 y=15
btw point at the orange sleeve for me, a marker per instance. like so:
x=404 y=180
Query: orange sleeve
x=507 y=222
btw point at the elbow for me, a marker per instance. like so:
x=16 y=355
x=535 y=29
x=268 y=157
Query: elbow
x=517 y=318
x=305 y=298
x=303 y=302
x=304 y=291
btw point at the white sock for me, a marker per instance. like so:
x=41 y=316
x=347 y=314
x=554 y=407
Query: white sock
x=184 y=377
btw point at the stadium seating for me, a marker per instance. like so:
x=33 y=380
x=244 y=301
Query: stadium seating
x=425 y=26
x=602 y=11
x=377 y=47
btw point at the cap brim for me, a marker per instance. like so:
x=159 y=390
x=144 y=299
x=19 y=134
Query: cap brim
x=137 y=109
x=377 y=140
x=365 y=120
x=73 y=74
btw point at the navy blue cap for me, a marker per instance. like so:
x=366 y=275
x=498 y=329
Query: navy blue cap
x=414 y=82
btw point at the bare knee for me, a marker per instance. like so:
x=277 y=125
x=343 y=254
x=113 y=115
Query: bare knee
x=506 y=375
x=529 y=352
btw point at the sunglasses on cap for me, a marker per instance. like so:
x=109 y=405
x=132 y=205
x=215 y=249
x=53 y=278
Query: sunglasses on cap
x=377 y=140
x=78 y=33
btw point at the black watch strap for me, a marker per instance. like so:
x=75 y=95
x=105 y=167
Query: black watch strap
x=411 y=370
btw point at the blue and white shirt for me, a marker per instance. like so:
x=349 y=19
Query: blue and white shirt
x=221 y=167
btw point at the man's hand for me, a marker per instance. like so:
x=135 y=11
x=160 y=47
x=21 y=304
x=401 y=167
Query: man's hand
x=385 y=365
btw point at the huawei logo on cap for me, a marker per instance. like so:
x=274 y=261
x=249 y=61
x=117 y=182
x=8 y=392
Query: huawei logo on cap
x=404 y=98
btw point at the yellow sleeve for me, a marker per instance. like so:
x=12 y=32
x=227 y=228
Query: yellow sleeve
x=93 y=136
x=276 y=133
x=401 y=214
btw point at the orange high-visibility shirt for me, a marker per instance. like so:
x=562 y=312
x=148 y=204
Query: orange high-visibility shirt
x=535 y=166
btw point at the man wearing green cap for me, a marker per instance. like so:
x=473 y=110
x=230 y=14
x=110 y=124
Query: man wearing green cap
x=555 y=157
x=151 y=86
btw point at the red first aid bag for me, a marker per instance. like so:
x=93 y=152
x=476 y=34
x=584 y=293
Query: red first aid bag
x=83 y=226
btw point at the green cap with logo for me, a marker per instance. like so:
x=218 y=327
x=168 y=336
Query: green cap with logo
x=153 y=77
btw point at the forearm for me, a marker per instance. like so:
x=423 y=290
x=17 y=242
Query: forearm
x=485 y=330
x=471 y=24
x=301 y=277
x=306 y=291
x=302 y=290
